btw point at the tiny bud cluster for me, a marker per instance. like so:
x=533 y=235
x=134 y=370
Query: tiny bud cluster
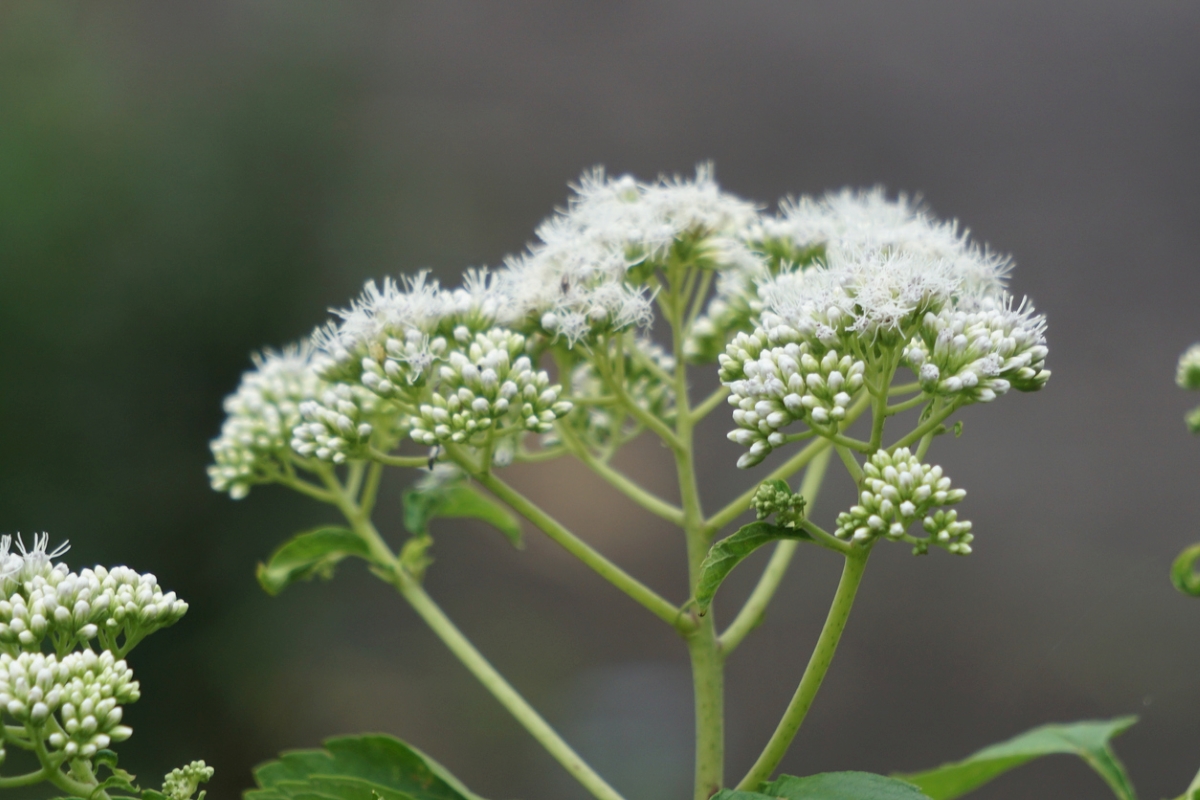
x=78 y=697
x=337 y=425
x=1188 y=377
x=181 y=783
x=261 y=415
x=897 y=490
x=487 y=387
x=775 y=497
x=977 y=355
x=770 y=388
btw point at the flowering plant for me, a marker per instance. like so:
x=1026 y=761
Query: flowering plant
x=64 y=680
x=831 y=323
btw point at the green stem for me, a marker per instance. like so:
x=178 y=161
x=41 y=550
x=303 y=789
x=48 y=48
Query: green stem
x=495 y=683
x=371 y=488
x=929 y=426
x=879 y=406
x=755 y=609
x=58 y=778
x=814 y=674
x=618 y=577
x=398 y=461
x=911 y=402
x=28 y=779
x=655 y=505
x=852 y=465
x=709 y=403
x=660 y=428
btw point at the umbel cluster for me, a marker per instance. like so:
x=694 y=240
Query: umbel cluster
x=807 y=312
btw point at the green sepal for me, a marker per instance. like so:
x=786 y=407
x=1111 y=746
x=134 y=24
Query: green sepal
x=351 y=764
x=309 y=554
x=1183 y=571
x=1088 y=740
x=456 y=499
x=729 y=552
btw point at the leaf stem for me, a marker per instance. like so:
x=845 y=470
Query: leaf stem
x=655 y=505
x=618 y=577
x=397 y=461
x=709 y=403
x=814 y=674
x=495 y=683
x=754 y=611
x=851 y=463
x=929 y=426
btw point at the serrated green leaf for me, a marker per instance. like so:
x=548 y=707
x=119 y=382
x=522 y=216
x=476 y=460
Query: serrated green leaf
x=842 y=786
x=459 y=500
x=729 y=552
x=1183 y=571
x=376 y=762
x=309 y=554
x=1088 y=740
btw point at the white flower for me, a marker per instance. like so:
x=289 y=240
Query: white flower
x=38 y=557
x=576 y=278
x=488 y=389
x=980 y=350
x=337 y=425
x=261 y=415
x=83 y=691
x=897 y=490
x=867 y=220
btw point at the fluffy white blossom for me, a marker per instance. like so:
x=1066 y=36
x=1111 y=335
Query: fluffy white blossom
x=576 y=279
x=83 y=691
x=850 y=221
x=897 y=490
x=261 y=415
x=872 y=257
x=488 y=387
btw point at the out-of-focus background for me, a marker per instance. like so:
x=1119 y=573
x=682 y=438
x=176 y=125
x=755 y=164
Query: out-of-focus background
x=183 y=183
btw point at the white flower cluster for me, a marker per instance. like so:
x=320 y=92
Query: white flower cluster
x=897 y=490
x=488 y=388
x=41 y=601
x=792 y=381
x=645 y=364
x=181 y=783
x=335 y=426
x=81 y=692
x=888 y=283
x=261 y=415
x=979 y=354
x=576 y=279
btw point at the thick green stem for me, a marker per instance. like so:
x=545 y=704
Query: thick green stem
x=814 y=674
x=495 y=683
x=618 y=577
x=755 y=609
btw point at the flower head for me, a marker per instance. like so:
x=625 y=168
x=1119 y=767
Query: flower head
x=897 y=490
x=261 y=415
x=584 y=273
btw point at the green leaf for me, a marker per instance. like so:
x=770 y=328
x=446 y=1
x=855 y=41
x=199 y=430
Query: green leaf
x=1088 y=740
x=456 y=499
x=842 y=786
x=1183 y=571
x=313 y=553
x=729 y=552
x=351 y=767
x=735 y=794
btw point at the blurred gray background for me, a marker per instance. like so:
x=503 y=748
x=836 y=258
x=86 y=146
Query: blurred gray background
x=183 y=183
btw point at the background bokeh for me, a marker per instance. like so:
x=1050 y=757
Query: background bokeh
x=183 y=183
